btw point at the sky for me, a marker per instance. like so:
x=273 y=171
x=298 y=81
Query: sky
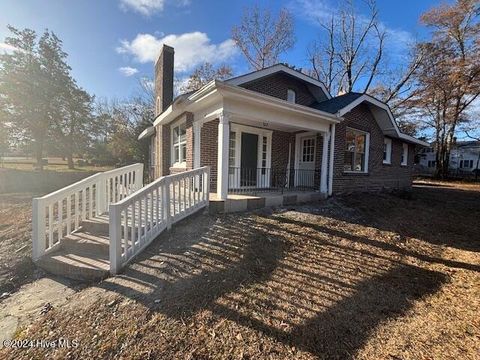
x=112 y=43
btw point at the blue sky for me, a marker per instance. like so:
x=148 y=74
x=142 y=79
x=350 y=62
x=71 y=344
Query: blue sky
x=113 y=42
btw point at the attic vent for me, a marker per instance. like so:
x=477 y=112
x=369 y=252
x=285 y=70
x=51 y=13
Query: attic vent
x=291 y=96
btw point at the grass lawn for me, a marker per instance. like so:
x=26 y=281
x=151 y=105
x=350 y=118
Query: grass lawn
x=362 y=276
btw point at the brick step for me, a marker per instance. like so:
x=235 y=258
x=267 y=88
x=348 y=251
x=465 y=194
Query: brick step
x=83 y=266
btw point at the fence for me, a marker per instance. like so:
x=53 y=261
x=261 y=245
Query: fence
x=139 y=218
x=58 y=214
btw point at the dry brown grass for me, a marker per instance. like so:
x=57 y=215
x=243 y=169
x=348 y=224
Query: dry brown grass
x=365 y=276
x=16 y=267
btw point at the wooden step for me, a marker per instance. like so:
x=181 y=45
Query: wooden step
x=97 y=225
x=86 y=242
x=83 y=266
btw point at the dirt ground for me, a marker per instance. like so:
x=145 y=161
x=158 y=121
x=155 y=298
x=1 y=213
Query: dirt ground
x=16 y=266
x=362 y=276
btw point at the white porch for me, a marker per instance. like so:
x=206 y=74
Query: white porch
x=247 y=161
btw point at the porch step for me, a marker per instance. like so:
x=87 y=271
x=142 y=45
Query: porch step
x=86 y=242
x=97 y=225
x=79 y=266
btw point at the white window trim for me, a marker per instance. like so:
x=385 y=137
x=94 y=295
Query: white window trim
x=298 y=146
x=388 y=142
x=367 y=152
x=174 y=164
x=294 y=95
x=405 y=154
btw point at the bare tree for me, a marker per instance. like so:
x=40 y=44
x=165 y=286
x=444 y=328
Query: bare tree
x=262 y=38
x=204 y=74
x=349 y=50
x=448 y=80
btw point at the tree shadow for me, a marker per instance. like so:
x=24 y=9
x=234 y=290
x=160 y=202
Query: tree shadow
x=437 y=215
x=320 y=295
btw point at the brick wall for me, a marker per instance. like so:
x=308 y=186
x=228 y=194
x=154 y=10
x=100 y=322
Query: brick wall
x=380 y=176
x=209 y=150
x=277 y=85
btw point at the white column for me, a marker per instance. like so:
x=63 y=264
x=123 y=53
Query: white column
x=197 y=129
x=332 y=159
x=324 y=165
x=222 y=165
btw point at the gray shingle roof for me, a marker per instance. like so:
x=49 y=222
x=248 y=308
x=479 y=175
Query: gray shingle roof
x=335 y=104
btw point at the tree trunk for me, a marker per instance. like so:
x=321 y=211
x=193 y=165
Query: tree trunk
x=39 y=153
x=70 y=161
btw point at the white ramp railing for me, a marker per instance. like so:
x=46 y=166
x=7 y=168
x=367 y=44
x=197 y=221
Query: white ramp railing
x=58 y=214
x=139 y=218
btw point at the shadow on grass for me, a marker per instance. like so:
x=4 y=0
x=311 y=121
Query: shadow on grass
x=325 y=297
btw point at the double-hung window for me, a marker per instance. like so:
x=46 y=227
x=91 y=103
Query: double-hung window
x=179 y=145
x=356 y=151
x=404 y=160
x=387 y=151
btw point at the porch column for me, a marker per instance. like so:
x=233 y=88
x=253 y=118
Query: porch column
x=324 y=165
x=222 y=166
x=332 y=159
x=197 y=128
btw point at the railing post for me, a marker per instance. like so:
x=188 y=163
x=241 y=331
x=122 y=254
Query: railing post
x=38 y=228
x=166 y=203
x=207 y=186
x=115 y=232
x=101 y=197
x=139 y=177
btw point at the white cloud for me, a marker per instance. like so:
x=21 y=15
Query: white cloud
x=191 y=49
x=149 y=7
x=128 y=71
x=6 y=48
x=144 y=7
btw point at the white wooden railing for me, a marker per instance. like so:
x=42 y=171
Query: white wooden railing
x=58 y=214
x=139 y=218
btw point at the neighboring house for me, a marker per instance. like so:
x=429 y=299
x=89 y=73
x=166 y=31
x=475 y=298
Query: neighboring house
x=277 y=128
x=464 y=157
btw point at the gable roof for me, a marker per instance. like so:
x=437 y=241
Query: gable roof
x=340 y=105
x=243 y=79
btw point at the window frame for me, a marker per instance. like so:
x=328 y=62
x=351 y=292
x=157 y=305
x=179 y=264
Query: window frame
x=182 y=163
x=404 y=156
x=388 y=159
x=294 y=94
x=366 y=154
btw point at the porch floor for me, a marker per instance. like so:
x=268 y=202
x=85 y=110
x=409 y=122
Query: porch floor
x=245 y=202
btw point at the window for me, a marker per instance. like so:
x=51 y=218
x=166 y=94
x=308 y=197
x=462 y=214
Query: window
x=308 y=150
x=153 y=148
x=356 y=151
x=232 y=152
x=264 y=154
x=387 y=151
x=291 y=96
x=179 y=144
x=431 y=163
x=404 y=160
x=466 y=164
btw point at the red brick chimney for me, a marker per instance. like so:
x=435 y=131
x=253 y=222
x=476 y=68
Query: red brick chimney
x=164 y=79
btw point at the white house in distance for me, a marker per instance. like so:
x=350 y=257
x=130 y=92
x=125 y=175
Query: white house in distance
x=464 y=157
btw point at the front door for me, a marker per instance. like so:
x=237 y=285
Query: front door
x=305 y=173
x=248 y=159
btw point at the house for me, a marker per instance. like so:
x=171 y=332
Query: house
x=464 y=158
x=277 y=128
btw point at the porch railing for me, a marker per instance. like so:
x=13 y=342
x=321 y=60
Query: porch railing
x=60 y=213
x=139 y=218
x=255 y=180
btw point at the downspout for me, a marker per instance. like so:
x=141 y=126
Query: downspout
x=331 y=160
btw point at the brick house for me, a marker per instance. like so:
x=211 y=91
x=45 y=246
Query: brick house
x=277 y=128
